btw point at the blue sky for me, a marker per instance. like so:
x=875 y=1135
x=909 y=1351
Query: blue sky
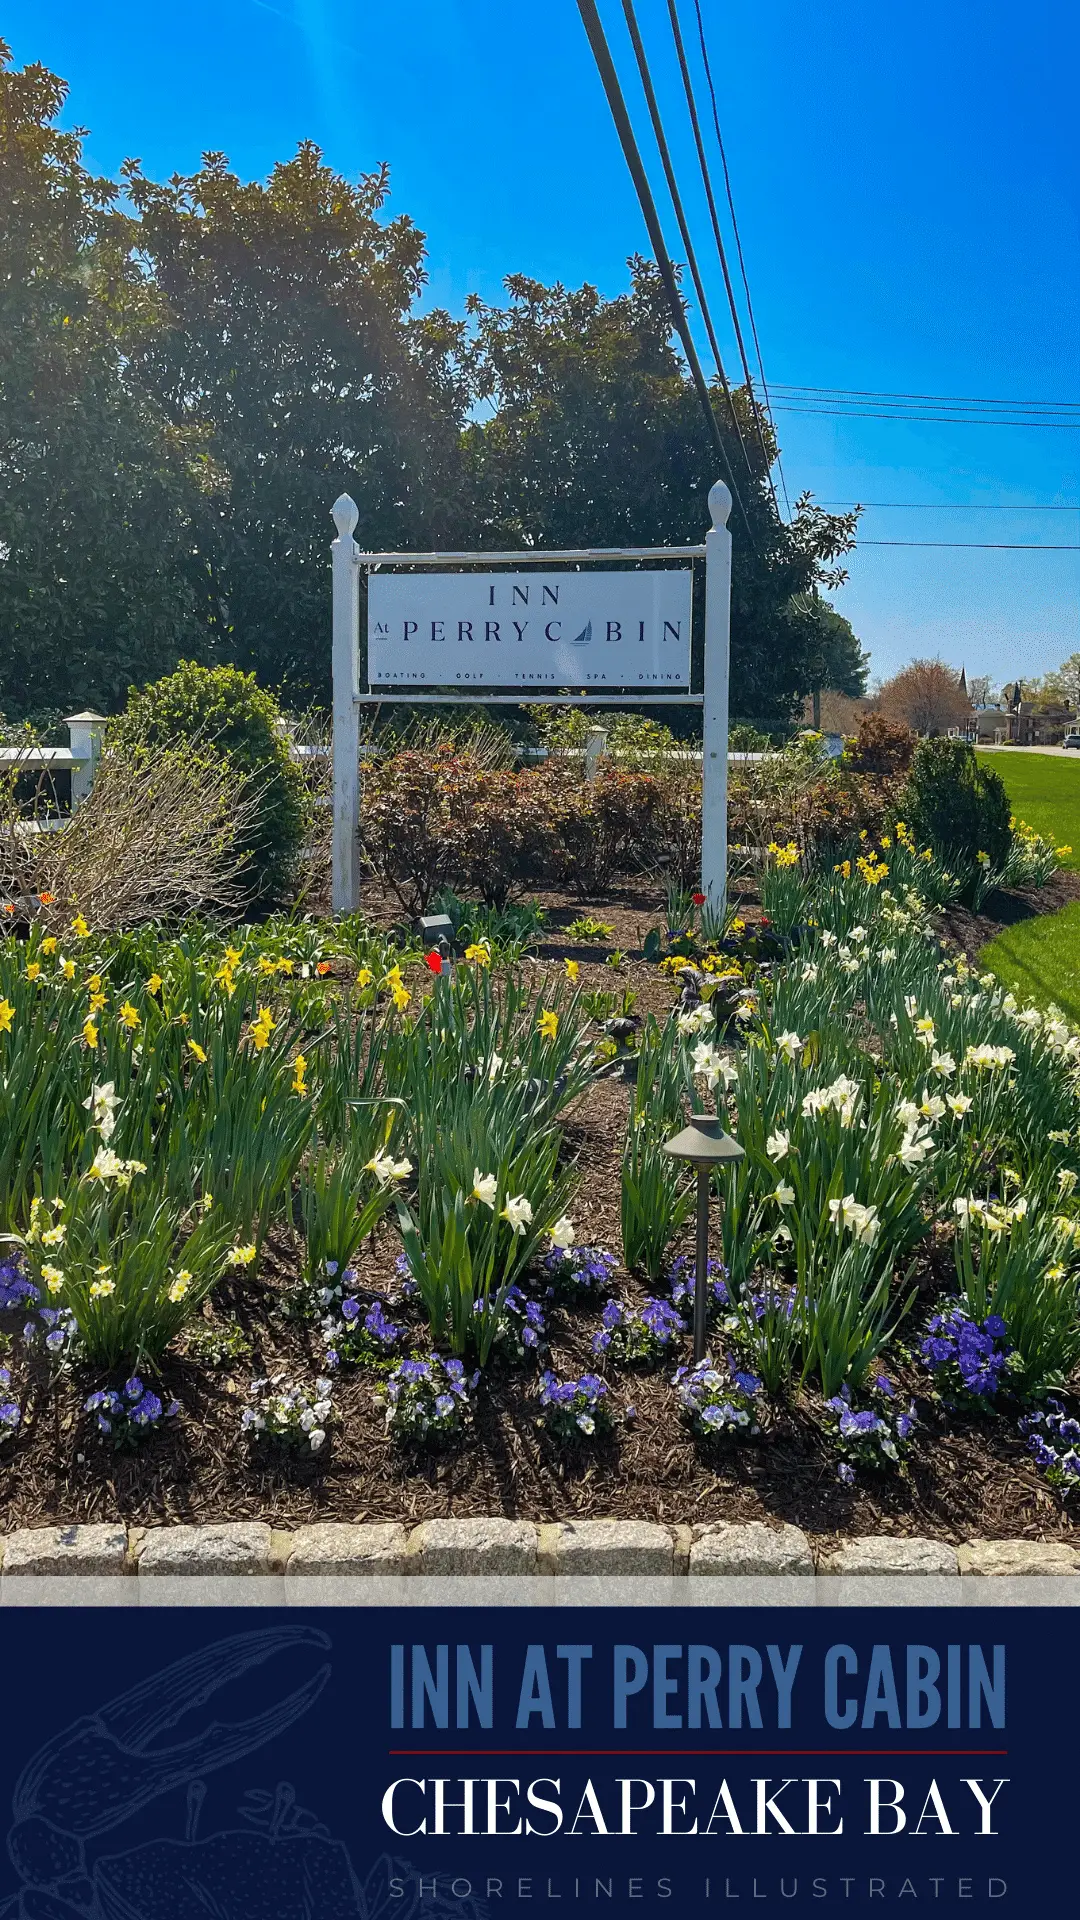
x=907 y=185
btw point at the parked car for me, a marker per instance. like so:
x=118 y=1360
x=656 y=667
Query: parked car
x=1071 y=740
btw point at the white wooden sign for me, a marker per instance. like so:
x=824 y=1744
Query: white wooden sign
x=581 y=629
x=611 y=636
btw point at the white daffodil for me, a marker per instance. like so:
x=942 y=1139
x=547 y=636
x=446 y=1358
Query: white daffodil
x=789 y=1044
x=485 y=1188
x=778 y=1144
x=1067 y=1180
x=958 y=1104
x=562 y=1233
x=386 y=1168
x=517 y=1213
x=932 y=1106
x=102 y=1103
x=707 y=1061
x=784 y=1196
x=944 y=1064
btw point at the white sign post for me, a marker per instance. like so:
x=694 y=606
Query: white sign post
x=458 y=630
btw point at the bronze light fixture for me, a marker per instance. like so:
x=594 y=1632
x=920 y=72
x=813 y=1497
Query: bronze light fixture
x=703 y=1145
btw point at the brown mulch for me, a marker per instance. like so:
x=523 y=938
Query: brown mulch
x=965 y=1479
x=1005 y=908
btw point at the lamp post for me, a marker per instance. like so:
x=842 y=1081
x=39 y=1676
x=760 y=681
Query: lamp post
x=704 y=1145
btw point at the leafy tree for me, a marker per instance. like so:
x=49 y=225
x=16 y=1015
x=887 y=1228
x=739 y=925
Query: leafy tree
x=980 y=688
x=92 y=486
x=287 y=344
x=595 y=438
x=834 y=658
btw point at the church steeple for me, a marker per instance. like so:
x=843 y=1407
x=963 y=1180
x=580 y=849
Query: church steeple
x=962 y=683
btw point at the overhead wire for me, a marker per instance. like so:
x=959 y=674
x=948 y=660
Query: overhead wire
x=590 y=20
x=680 y=215
x=738 y=238
x=706 y=177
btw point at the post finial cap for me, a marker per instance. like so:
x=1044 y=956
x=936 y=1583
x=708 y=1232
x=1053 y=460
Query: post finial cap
x=719 y=504
x=346 y=514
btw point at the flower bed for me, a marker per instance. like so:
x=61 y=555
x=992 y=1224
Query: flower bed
x=300 y=1142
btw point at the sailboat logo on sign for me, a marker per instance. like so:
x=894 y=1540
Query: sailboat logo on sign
x=583 y=638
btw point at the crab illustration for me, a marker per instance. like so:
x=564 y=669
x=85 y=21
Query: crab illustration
x=97 y=1773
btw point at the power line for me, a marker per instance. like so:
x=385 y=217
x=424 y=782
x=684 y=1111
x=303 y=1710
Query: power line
x=590 y=20
x=932 y=419
x=957 y=506
x=717 y=235
x=942 y=399
x=738 y=237
x=997 y=546
x=676 y=201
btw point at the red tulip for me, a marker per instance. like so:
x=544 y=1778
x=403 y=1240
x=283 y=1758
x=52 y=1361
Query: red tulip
x=434 y=961
x=698 y=899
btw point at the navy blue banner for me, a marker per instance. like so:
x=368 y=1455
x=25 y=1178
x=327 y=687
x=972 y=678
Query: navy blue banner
x=330 y=1764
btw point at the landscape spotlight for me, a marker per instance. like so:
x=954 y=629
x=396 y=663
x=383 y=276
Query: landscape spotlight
x=704 y=1145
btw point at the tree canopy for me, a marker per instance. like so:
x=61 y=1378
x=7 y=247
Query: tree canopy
x=190 y=372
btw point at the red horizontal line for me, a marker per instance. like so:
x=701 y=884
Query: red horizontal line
x=696 y=1753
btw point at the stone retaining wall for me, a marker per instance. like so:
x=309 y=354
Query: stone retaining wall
x=499 y=1547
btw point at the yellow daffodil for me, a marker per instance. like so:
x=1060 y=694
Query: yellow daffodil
x=67 y=968
x=573 y=968
x=261 y=1029
x=7 y=1015
x=299 y=1084
x=180 y=1286
x=240 y=1256
x=401 y=997
x=285 y=965
x=90 y=1033
x=196 y=1051
x=364 y=978
x=480 y=953
x=128 y=1016
x=154 y=984
x=33 y=971
x=548 y=1024
x=97 y=1001
x=79 y=928
x=53 y=1277
x=49 y=943
x=266 y=965
x=101 y=1289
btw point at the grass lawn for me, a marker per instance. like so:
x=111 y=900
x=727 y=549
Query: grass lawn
x=1044 y=791
x=1040 y=959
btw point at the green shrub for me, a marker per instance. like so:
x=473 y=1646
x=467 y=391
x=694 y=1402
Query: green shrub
x=956 y=805
x=225 y=715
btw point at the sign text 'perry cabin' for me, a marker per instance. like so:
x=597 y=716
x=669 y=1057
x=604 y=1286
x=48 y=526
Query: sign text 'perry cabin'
x=530 y=629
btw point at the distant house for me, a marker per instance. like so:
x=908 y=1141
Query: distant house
x=1017 y=722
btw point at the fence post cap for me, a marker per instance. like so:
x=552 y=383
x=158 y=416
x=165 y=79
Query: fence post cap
x=83 y=719
x=346 y=513
x=719 y=504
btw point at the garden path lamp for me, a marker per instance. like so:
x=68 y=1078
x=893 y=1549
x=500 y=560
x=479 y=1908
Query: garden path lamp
x=704 y=1145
